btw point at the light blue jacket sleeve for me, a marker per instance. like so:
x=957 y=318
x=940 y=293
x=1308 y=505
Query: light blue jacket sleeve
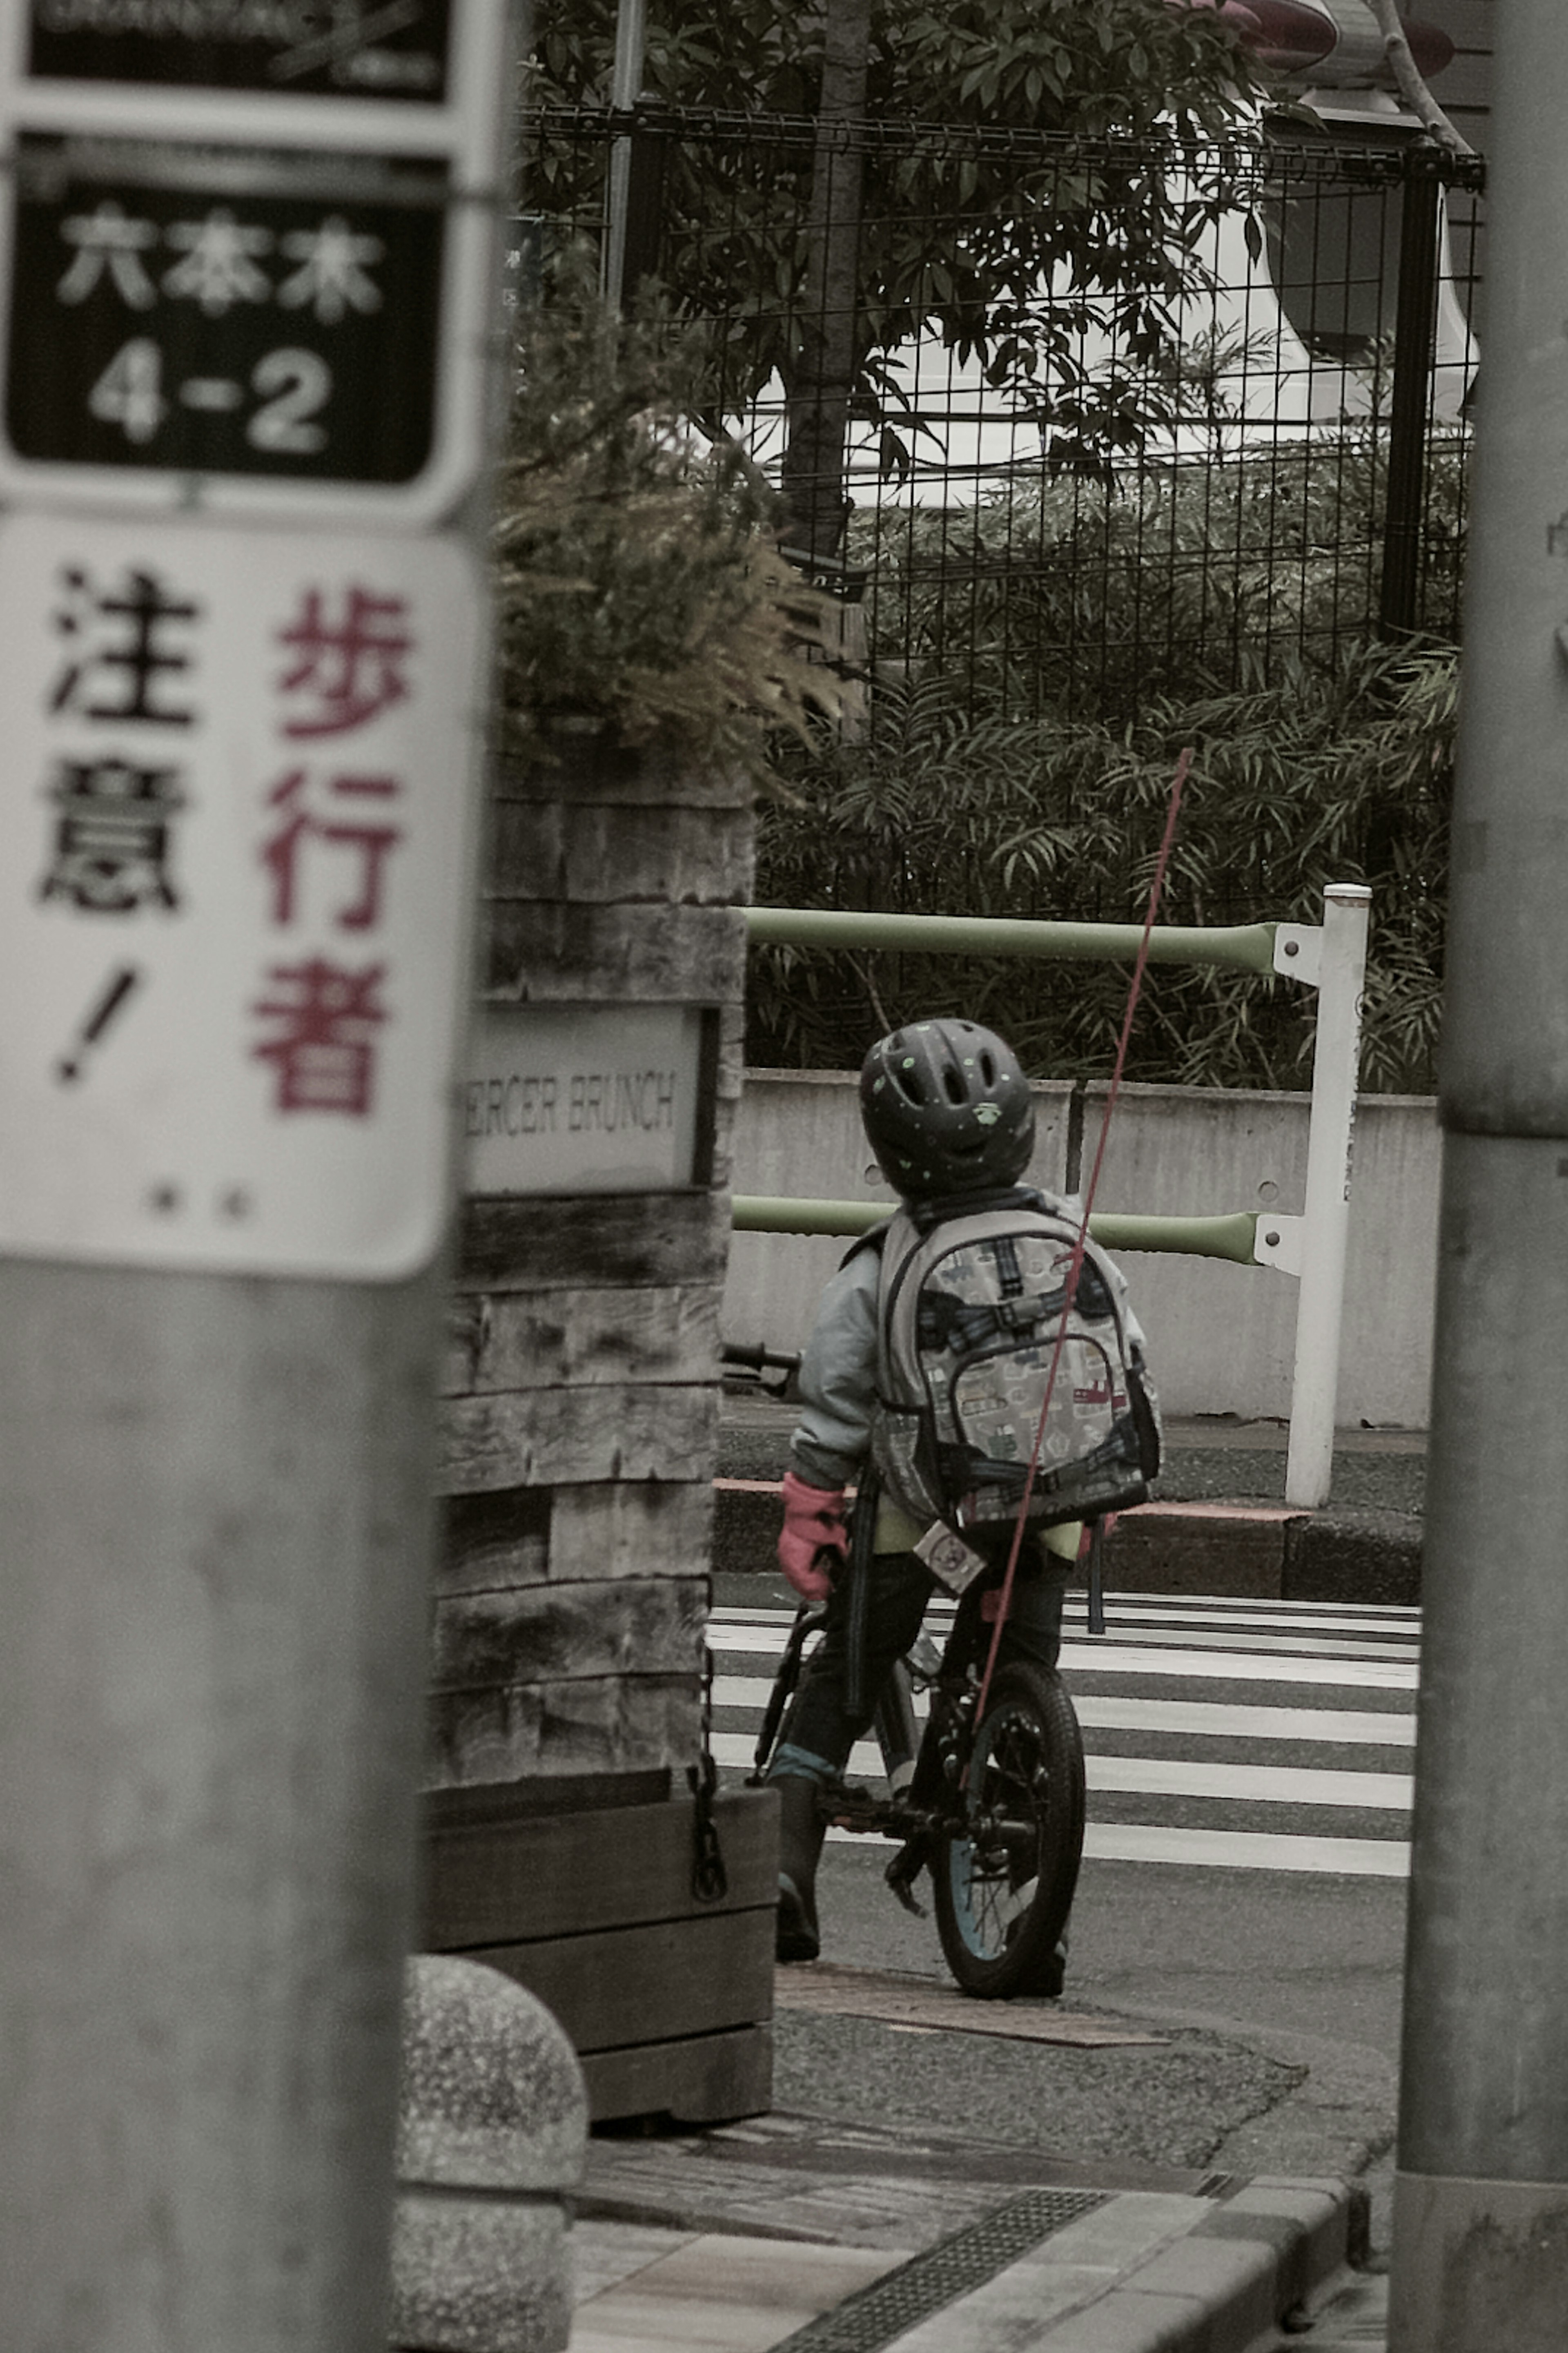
x=839 y=1377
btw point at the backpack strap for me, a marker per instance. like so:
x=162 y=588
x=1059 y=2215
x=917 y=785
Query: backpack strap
x=926 y=1216
x=874 y=1238
x=858 y=1597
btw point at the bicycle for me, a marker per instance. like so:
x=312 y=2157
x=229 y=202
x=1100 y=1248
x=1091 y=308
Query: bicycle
x=992 y=1809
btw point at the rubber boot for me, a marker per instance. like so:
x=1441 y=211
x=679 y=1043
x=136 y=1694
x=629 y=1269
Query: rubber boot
x=802 y=1829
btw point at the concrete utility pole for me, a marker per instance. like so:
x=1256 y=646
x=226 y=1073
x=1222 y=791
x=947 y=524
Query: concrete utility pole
x=1481 y=2246
x=249 y=290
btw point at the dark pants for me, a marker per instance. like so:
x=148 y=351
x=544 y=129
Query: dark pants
x=821 y=1731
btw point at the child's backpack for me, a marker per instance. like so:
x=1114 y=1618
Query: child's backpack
x=969 y=1310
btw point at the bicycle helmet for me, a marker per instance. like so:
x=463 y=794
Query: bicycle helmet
x=946 y=1109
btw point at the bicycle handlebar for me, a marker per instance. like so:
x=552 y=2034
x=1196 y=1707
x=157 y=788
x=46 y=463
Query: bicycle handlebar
x=758 y=1359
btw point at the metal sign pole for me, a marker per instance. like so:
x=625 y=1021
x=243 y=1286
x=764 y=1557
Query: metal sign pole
x=1326 y=1208
x=246 y=644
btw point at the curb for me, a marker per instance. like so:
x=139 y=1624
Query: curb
x=1262 y=2260
x=1243 y=1551
x=1146 y=2274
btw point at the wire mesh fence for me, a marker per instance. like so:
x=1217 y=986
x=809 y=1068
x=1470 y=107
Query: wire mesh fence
x=1068 y=427
x=1106 y=449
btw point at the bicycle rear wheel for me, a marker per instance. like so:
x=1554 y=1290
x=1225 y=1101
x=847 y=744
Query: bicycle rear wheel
x=1004 y=1889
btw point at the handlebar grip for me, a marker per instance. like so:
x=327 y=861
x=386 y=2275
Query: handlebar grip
x=759 y=1358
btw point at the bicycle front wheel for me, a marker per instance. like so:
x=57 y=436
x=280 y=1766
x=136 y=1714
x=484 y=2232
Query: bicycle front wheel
x=1003 y=1887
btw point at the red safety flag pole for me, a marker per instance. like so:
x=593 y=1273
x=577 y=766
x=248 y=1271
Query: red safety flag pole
x=1004 y=1598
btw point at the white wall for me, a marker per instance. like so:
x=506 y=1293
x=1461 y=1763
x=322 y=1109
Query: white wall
x=1221 y=1336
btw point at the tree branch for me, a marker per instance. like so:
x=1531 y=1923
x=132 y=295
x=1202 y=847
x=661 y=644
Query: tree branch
x=1412 y=90
x=822 y=382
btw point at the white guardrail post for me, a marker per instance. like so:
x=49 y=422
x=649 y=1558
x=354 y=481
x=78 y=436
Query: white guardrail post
x=1325 y=1223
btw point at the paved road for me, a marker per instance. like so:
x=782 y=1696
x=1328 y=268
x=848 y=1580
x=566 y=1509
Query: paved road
x=1243 y=1889
x=1234 y=1735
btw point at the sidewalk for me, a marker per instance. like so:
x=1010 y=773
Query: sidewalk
x=1221 y=1524
x=825 y=2238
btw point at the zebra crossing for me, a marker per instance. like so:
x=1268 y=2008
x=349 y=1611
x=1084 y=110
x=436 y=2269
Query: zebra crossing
x=1221 y=1734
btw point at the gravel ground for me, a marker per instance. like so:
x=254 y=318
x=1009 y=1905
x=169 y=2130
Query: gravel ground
x=1173 y=2106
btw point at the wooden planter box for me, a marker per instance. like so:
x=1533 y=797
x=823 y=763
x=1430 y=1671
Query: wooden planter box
x=666 y=1999
x=579 y=1438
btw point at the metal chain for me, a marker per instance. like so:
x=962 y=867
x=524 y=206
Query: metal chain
x=709 y=1873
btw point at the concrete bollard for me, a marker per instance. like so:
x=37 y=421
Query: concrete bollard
x=492 y=2133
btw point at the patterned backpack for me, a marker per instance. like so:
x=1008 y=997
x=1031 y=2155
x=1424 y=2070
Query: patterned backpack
x=969 y=1310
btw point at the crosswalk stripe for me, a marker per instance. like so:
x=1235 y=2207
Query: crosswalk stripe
x=1104 y=1658
x=1240 y=1640
x=1195 y=1719
x=1269 y=1785
x=1133 y=1614
x=1175 y=1776
x=1198 y=1719
x=1246 y=1850
x=1100 y=1656
x=1293 y=1616
x=1348 y=1858
x=1195 y=1632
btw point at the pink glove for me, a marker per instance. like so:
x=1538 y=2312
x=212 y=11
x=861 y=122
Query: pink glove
x=813 y=1524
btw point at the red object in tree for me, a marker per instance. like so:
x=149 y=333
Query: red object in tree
x=1234 y=12
x=1295 y=35
x=1292 y=34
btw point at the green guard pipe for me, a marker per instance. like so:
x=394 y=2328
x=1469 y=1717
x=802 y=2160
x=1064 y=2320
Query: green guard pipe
x=1243 y=948
x=1230 y=1236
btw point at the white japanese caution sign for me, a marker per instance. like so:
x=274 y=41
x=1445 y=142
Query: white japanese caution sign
x=235 y=896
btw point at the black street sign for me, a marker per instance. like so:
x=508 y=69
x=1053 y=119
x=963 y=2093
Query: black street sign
x=382 y=49
x=222 y=311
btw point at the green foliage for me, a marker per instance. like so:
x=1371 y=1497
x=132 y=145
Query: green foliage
x=961 y=227
x=1103 y=630
x=637 y=588
x=1088 y=66
x=1340 y=775
x=1176 y=580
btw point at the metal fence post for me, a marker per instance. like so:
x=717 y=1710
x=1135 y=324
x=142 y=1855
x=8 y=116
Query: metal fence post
x=1416 y=325
x=625 y=87
x=1308 y=1466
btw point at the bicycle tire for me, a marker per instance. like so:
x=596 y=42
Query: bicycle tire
x=1002 y=1903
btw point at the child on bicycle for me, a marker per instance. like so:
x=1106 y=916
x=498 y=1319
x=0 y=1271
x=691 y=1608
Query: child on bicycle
x=948 y=1114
